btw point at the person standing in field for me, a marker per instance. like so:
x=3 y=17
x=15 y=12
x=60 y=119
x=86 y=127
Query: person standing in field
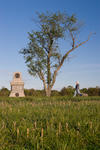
x=77 y=91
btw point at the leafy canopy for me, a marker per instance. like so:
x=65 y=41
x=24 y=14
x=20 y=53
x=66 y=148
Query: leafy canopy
x=52 y=27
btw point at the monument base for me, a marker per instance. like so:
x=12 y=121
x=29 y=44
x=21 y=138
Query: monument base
x=17 y=94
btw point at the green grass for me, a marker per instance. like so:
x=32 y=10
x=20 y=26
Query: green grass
x=56 y=123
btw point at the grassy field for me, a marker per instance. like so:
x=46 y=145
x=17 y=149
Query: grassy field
x=56 y=123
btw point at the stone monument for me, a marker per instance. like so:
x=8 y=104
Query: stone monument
x=17 y=86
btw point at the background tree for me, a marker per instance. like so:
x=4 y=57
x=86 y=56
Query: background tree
x=4 y=92
x=42 y=54
x=67 y=91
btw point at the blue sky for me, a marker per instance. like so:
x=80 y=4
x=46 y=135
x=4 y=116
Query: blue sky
x=16 y=20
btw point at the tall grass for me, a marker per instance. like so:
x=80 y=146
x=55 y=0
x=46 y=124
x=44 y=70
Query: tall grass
x=50 y=123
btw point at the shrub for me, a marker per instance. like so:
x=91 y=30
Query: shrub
x=55 y=93
x=32 y=92
x=4 y=92
x=67 y=91
x=84 y=90
x=94 y=91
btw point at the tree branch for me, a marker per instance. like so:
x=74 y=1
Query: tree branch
x=64 y=57
x=73 y=39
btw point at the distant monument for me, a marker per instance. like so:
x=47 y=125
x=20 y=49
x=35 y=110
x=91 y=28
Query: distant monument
x=17 y=86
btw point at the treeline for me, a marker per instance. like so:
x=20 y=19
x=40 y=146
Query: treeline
x=69 y=91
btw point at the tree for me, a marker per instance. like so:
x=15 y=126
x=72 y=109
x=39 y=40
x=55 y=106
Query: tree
x=4 y=92
x=42 y=54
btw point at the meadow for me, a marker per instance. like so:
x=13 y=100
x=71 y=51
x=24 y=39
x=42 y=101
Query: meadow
x=56 y=123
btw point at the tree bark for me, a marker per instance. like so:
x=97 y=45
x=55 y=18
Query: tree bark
x=48 y=92
x=41 y=76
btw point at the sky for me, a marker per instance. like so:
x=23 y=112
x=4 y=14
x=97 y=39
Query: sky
x=16 y=19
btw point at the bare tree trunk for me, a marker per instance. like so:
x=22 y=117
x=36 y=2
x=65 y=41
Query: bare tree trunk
x=48 y=92
x=41 y=76
x=47 y=86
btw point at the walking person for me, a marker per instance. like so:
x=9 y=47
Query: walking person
x=77 y=91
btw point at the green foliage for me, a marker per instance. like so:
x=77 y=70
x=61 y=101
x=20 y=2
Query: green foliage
x=84 y=90
x=32 y=92
x=67 y=91
x=4 y=92
x=49 y=123
x=55 y=93
x=94 y=91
